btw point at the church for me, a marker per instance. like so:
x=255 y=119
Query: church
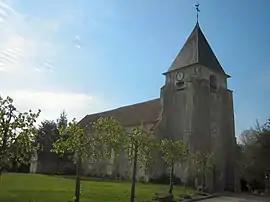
x=195 y=105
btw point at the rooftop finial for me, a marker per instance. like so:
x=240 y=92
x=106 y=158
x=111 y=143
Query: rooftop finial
x=197 y=10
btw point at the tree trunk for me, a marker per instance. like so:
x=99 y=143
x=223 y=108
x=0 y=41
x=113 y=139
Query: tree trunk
x=133 y=185
x=171 y=178
x=203 y=179
x=214 y=178
x=78 y=181
x=3 y=149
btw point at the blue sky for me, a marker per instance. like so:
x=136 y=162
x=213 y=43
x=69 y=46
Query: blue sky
x=90 y=55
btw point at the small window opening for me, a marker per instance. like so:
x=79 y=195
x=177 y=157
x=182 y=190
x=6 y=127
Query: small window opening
x=213 y=82
x=180 y=85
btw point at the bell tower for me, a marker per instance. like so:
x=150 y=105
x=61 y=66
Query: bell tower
x=198 y=106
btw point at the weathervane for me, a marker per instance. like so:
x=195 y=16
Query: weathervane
x=197 y=10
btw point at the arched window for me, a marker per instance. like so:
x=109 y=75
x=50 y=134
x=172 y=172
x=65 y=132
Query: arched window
x=213 y=82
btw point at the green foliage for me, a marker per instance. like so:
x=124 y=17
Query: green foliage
x=73 y=139
x=254 y=152
x=146 y=143
x=47 y=134
x=115 y=138
x=62 y=121
x=17 y=133
x=174 y=152
x=111 y=135
x=203 y=161
x=137 y=144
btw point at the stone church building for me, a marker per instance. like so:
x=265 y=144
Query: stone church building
x=195 y=104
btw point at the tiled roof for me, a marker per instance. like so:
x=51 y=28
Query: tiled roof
x=196 y=50
x=145 y=112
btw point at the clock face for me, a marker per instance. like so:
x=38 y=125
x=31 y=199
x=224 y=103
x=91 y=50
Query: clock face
x=179 y=76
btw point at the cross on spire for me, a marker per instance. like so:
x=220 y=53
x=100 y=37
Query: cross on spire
x=197 y=10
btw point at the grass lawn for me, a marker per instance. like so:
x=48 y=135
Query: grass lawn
x=42 y=188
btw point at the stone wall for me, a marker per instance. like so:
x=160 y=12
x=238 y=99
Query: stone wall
x=117 y=167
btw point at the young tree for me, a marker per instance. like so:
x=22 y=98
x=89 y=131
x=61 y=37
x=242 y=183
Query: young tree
x=148 y=144
x=141 y=144
x=73 y=139
x=17 y=132
x=203 y=162
x=174 y=153
x=111 y=134
x=137 y=144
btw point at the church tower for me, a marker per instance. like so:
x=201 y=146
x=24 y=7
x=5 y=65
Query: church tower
x=198 y=106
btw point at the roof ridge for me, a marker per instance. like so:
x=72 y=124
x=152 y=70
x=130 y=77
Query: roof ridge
x=136 y=104
x=125 y=106
x=146 y=111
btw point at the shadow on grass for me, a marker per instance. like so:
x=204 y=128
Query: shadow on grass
x=60 y=188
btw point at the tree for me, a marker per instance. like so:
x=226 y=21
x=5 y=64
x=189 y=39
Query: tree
x=73 y=139
x=65 y=163
x=141 y=144
x=17 y=132
x=62 y=121
x=137 y=144
x=249 y=136
x=47 y=134
x=147 y=144
x=112 y=135
x=203 y=163
x=255 y=147
x=174 y=154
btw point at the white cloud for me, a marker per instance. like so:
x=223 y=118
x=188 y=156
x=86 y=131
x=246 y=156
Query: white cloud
x=77 y=105
x=18 y=46
x=51 y=104
x=29 y=50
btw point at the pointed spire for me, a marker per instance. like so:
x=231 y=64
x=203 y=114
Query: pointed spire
x=196 y=50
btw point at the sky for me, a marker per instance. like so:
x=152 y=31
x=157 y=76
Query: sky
x=86 y=56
